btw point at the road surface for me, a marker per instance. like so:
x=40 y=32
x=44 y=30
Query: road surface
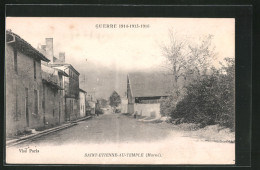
x=94 y=140
x=106 y=128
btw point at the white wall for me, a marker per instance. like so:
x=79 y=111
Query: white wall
x=82 y=104
x=149 y=110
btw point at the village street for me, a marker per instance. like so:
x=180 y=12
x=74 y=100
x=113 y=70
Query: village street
x=119 y=133
x=109 y=127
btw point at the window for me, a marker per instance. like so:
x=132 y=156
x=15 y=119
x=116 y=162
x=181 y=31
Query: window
x=35 y=101
x=34 y=69
x=15 y=61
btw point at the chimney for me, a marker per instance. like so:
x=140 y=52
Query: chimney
x=62 y=57
x=49 y=49
x=43 y=47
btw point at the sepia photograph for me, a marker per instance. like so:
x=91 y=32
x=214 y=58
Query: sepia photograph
x=111 y=90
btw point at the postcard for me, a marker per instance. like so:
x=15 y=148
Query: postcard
x=111 y=90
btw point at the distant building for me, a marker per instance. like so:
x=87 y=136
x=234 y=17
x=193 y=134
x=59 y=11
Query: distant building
x=91 y=103
x=23 y=89
x=144 y=91
x=82 y=98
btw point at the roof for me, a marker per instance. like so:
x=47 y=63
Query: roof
x=150 y=84
x=24 y=46
x=52 y=84
x=65 y=65
x=61 y=70
x=50 y=77
x=82 y=90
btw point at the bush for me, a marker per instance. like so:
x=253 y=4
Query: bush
x=209 y=100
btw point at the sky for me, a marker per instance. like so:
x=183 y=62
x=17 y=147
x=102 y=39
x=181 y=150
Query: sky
x=113 y=52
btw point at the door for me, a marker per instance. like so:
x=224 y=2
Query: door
x=26 y=107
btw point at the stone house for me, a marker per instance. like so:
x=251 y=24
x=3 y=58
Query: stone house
x=52 y=96
x=144 y=91
x=71 y=90
x=23 y=85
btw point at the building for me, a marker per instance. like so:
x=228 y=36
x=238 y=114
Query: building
x=124 y=104
x=144 y=91
x=71 y=89
x=23 y=88
x=52 y=96
x=91 y=103
x=70 y=83
x=82 y=103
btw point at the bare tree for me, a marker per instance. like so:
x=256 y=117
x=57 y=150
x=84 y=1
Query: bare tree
x=186 y=59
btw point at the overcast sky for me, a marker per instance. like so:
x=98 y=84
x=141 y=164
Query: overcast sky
x=126 y=49
x=104 y=56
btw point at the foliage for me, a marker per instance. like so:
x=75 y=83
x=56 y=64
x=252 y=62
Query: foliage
x=210 y=100
x=114 y=99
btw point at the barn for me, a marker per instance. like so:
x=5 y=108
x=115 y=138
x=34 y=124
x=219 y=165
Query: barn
x=144 y=91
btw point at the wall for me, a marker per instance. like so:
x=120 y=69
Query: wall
x=82 y=104
x=124 y=104
x=52 y=110
x=72 y=109
x=15 y=92
x=149 y=110
x=62 y=99
x=71 y=86
x=71 y=83
x=130 y=108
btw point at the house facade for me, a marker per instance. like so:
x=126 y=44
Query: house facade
x=144 y=91
x=23 y=85
x=70 y=83
x=52 y=96
x=82 y=98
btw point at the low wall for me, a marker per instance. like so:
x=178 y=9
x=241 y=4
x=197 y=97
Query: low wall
x=149 y=110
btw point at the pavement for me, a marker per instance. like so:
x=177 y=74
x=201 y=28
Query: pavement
x=38 y=134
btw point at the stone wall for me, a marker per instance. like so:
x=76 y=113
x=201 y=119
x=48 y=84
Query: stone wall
x=53 y=106
x=16 y=85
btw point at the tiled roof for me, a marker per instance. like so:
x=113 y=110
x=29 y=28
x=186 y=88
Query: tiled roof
x=150 y=84
x=24 y=46
x=49 y=76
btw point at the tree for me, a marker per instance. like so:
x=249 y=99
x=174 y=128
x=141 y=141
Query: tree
x=114 y=100
x=186 y=61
